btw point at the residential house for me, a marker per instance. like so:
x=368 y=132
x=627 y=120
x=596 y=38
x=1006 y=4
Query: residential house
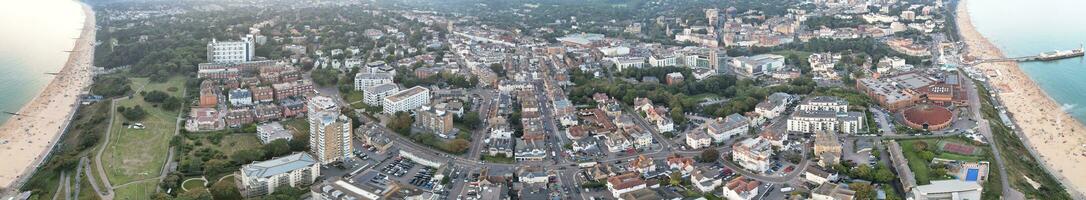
x=741 y=188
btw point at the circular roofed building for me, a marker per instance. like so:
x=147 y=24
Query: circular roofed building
x=927 y=117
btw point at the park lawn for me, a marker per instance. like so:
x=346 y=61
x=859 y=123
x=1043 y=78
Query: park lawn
x=299 y=125
x=952 y=156
x=920 y=168
x=137 y=154
x=173 y=86
x=238 y=141
x=134 y=191
x=193 y=184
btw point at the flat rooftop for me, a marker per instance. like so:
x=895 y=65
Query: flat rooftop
x=404 y=94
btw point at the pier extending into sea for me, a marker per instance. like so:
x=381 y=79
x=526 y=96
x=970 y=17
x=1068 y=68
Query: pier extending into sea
x=1045 y=56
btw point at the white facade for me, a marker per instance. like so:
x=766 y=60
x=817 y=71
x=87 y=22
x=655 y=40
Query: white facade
x=752 y=154
x=757 y=65
x=376 y=94
x=825 y=113
x=231 y=51
x=367 y=80
x=697 y=140
x=723 y=128
x=810 y=121
x=948 y=189
x=406 y=100
x=264 y=177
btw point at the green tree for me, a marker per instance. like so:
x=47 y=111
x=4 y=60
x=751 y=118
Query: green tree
x=246 y=156
x=324 y=77
x=920 y=145
x=709 y=155
x=927 y=156
x=299 y=144
x=135 y=113
x=863 y=171
x=675 y=178
x=472 y=120
x=458 y=145
x=276 y=148
x=217 y=166
x=883 y=174
x=401 y=123
x=863 y=190
x=172 y=103
x=225 y=190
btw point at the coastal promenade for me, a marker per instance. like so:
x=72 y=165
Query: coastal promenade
x=27 y=138
x=1057 y=139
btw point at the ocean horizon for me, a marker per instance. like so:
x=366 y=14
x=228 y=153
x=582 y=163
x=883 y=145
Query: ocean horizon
x=35 y=41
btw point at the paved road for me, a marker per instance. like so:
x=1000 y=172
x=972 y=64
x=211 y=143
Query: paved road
x=107 y=188
x=985 y=129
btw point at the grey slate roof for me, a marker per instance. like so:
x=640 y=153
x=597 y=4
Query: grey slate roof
x=279 y=165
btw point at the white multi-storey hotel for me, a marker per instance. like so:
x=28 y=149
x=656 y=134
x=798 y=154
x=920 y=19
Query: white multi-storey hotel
x=231 y=51
x=262 y=178
x=406 y=100
x=362 y=81
x=825 y=113
x=376 y=94
x=329 y=131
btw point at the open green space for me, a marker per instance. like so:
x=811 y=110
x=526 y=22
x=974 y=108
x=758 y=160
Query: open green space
x=135 y=191
x=500 y=158
x=193 y=184
x=915 y=150
x=298 y=125
x=1019 y=163
x=134 y=153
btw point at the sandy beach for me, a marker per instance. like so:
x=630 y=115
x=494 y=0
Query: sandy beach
x=26 y=138
x=1054 y=135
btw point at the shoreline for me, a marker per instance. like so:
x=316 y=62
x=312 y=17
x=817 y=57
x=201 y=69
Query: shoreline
x=1054 y=137
x=31 y=135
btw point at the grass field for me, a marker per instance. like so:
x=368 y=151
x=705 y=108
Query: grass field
x=136 y=191
x=138 y=154
x=920 y=167
x=801 y=54
x=299 y=125
x=194 y=184
x=239 y=141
